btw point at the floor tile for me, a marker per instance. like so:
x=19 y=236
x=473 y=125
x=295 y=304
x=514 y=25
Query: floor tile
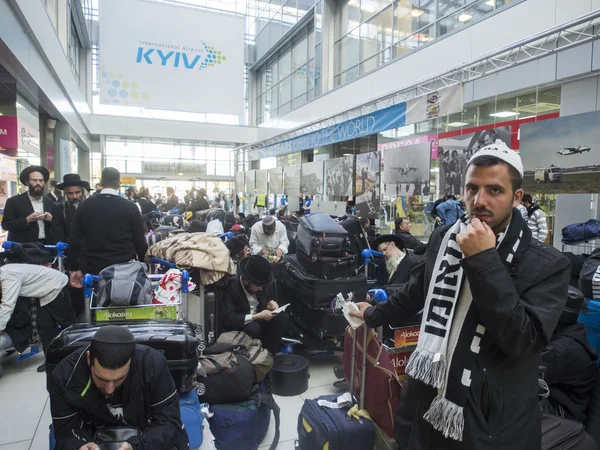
x=26 y=393
x=11 y=366
x=40 y=440
x=23 y=445
x=290 y=410
x=287 y=445
x=315 y=392
x=321 y=372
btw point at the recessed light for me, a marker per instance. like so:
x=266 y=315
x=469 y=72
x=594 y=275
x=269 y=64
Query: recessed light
x=465 y=17
x=417 y=12
x=348 y=154
x=504 y=114
x=457 y=124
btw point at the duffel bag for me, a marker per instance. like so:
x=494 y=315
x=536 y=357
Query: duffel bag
x=579 y=232
x=224 y=375
x=252 y=349
x=589 y=276
x=124 y=284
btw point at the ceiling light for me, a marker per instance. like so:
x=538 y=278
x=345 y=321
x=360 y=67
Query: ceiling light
x=457 y=124
x=465 y=17
x=348 y=154
x=504 y=114
x=315 y=151
x=491 y=3
x=180 y=174
x=417 y=12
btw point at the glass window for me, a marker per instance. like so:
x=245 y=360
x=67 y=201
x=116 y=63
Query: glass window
x=347 y=50
x=376 y=34
x=299 y=101
x=370 y=7
x=410 y=16
x=464 y=17
x=52 y=8
x=299 y=81
x=348 y=18
x=299 y=52
x=285 y=90
x=285 y=64
x=74 y=48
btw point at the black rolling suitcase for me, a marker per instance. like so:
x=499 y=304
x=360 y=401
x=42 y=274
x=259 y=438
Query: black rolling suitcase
x=320 y=322
x=317 y=292
x=358 y=236
x=327 y=267
x=177 y=341
x=559 y=433
x=320 y=235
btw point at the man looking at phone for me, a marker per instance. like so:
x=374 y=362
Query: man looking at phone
x=246 y=305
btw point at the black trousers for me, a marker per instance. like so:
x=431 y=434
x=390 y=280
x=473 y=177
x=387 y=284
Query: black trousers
x=269 y=332
x=57 y=313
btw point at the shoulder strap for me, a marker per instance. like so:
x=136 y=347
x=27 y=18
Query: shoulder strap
x=261 y=397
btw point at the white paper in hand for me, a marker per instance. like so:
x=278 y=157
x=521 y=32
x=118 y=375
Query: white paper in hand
x=280 y=309
x=354 y=322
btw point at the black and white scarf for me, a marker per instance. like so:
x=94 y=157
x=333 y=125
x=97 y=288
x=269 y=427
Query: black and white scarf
x=450 y=337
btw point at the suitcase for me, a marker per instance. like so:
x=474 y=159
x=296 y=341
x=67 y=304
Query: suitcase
x=358 y=236
x=320 y=427
x=327 y=267
x=321 y=322
x=559 y=433
x=159 y=234
x=191 y=417
x=320 y=235
x=382 y=386
x=317 y=292
x=216 y=214
x=177 y=341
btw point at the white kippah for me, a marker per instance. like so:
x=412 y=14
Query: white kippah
x=501 y=151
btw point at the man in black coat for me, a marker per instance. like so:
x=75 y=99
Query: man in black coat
x=570 y=363
x=115 y=382
x=28 y=217
x=403 y=232
x=107 y=230
x=493 y=295
x=63 y=212
x=247 y=308
x=199 y=203
x=172 y=200
x=398 y=262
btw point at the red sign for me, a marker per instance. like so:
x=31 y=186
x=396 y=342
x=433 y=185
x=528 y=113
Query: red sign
x=9 y=135
x=406 y=336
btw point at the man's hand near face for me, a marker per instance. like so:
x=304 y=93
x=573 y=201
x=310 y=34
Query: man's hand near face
x=476 y=238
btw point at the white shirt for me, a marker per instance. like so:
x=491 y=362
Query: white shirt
x=38 y=207
x=397 y=264
x=253 y=301
x=109 y=191
x=260 y=241
x=28 y=280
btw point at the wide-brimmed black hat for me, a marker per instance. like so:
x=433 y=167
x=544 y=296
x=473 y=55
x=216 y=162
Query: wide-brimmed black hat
x=24 y=177
x=73 y=179
x=29 y=253
x=256 y=270
x=387 y=238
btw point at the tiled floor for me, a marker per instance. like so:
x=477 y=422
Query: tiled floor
x=25 y=409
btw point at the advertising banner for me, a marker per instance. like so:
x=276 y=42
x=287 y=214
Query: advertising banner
x=367 y=185
x=311 y=181
x=440 y=103
x=338 y=176
x=9 y=138
x=29 y=130
x=291 y=181
x=406 y=171
x=189 y=59
x=276 y=181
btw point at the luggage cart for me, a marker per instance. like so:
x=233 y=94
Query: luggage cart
x=581 y=247
x=34 y=347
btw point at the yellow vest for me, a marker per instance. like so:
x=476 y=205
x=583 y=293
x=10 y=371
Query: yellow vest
x=260 y=201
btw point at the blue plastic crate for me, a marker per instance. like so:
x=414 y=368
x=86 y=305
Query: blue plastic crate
x=590 y=316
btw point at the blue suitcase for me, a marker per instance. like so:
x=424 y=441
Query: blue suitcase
x=191 y=417
x=320 y=427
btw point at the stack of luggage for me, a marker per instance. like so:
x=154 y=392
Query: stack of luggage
x=324 y=265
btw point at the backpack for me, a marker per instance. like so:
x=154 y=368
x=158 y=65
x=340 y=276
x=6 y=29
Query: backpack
x=29 y=253
x=252 y=349
x=124 y=284
x=589 y=276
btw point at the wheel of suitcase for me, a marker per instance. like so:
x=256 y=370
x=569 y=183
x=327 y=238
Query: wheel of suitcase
x=202 y=346
x=289 y=375
x=200 y=389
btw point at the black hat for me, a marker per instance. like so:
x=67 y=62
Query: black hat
x=29 y=253
x=114 y=334
x=73 y=179
x=256 y=270
x=24 y=177
x=387 y=238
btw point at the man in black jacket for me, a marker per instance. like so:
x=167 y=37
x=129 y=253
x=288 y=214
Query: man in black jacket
x=107 y=230
x=246 y=306
x=115 y=383
x=491 y=297
x=28 y=216
x=398 y=261
x=570 y=363
x=172 y=200
x=63 y=212
x=403 y=232
x=200 y=203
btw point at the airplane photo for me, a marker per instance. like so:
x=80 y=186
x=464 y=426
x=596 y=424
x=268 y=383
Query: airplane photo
x=573 y=150
x=404 y=171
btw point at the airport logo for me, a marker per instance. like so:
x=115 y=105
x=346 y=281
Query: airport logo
x=180 y=57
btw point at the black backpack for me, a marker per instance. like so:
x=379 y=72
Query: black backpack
x=589 y=277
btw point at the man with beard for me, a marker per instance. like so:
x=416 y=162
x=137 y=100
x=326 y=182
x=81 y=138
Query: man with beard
x=491 y=297
x=63 y=212
x=398 y=262
x=27 y=217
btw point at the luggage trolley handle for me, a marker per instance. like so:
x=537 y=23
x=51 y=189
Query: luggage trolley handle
x=60 y=249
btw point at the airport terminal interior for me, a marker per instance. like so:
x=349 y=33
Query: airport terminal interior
x=358 y=124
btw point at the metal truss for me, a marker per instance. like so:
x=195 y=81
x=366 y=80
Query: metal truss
x=577 y=32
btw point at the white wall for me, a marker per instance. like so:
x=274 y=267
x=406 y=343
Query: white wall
x=29 y=35
x=515 y=23
x=171 y=129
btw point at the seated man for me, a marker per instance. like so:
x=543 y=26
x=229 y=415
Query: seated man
x=246 y=305
x=403 y=232
x=366 y=224
x=398 y=262
x=115 y=383
x=269 y=236
x=47 y=288
x=570 y=363
x=296 y=216
x=238 y=248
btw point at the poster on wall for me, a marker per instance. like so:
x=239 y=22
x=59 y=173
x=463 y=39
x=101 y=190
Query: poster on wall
x=28 y=125
x=291 y=180
x=250 y=182
x=276 y=181
x=239 y=182
x=261 y=181
x=454 y=154
x=562 y=155
x=192 y=60
x=312 y=178
x=406 y=170
x=338 y=176
x=367 y=185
